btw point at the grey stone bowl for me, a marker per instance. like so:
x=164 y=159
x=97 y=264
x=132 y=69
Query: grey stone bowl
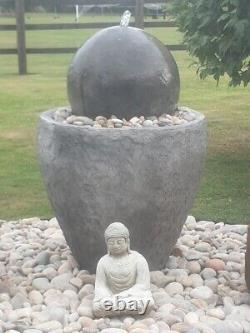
x=146 y=178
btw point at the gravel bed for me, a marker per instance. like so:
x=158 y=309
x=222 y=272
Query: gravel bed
x=202 y=288
x=182 y=115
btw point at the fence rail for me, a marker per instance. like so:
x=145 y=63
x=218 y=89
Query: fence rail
x=64 y=50
x=20 y=27
x=71 y=26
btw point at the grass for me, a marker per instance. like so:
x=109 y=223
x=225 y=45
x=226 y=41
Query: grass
x=224 y=193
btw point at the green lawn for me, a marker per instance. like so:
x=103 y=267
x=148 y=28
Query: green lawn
x=225 y=188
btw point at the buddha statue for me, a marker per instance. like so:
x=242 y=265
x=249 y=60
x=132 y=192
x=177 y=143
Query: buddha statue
x=122 y=277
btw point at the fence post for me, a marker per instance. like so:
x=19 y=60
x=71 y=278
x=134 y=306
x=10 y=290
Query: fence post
x=21 y=45
x=139 y=14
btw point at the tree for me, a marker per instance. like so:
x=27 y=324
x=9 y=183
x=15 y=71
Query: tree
x=217 y=32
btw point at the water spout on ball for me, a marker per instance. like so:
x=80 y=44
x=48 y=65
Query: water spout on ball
x=125 y=19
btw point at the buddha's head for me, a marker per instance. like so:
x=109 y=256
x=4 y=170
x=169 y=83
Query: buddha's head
x=117 y=239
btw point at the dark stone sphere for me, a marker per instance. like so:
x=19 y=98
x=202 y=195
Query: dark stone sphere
x=123 y=71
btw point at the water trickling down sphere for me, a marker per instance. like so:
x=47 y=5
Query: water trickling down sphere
x=123 y=71
x=125 y=19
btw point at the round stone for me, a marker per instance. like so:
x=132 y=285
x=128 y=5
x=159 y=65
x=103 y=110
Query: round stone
x=64 y=268
x=190 y=223
x=163 y=327
x=203 y=247
x=170 y=319
x=196 y=280
x=226 y=326
x=216 y=264
x=202 y=292
x=18 y=301
x=147 y=123
x=174 y=288
x=35 y=297
x=113 y=330
x=49 y=326
x=193 y=267
x=61 y=282
x=57 y=313
x=85 y=311
x=161 y=298
x=193 y=255
x=208 y=273
x=158 y=278
x=180 y=327
x=217 y=313
x=191 y=318
x=43 y=258
x=50 y=273
x=138 y=68
x=87 y=289
x=41 y=284
x=212 y=283
x=193 y=330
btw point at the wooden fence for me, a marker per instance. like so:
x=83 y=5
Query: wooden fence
x=20 y=27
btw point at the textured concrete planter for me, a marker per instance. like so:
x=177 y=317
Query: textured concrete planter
x=146 y=178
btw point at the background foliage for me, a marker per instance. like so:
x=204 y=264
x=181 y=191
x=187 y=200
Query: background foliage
x=217 y=32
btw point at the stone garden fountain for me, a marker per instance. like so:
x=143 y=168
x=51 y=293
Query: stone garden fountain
x=124 y=151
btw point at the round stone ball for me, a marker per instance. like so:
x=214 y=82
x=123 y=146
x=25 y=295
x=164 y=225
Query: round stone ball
x=123 y=71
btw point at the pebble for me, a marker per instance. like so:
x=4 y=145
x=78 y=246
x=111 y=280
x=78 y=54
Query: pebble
x=113 y=330
x=182 y=116
x=180 y=327
x=84 y=310
x=208 y=273
x=147 y=123
x=50 y=272
x=193 y=255
x=190 y=223
x=18 y=301
x=196 y=280
x=49 y=326
x=86 y=278
x=216 y=264
x=87 y=289
x=191 y=318
x=42 y=258
x=35 y=297
x=227 y=326
x=246 y=326
x=161 y=298
x=158 y=278
x=76 y=282
x=57 y=313
x=174 y=288
x=57 y=298
x=212 y=284
x=203 y=247
x=62 y=281
x=217 y=313
x=202 y=292
x=202 y=289
x=41 y=284
x=193 y=267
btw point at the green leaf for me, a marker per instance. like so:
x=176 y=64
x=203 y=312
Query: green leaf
x=217 y=32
